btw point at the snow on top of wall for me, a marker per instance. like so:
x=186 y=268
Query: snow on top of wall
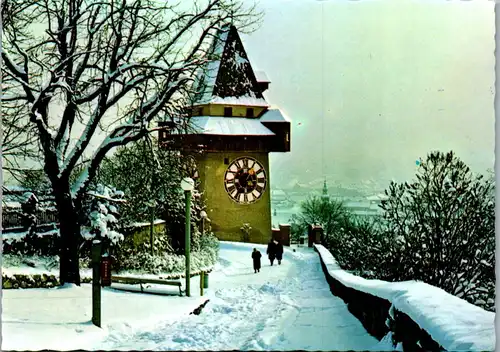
x=218 y=125
x=9 y=237
x=452 y=322
x=142 y=224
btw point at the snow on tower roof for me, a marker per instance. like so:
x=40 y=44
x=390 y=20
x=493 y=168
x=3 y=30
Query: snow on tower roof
x=261 y=76
x=274 y=115
x=206 y=77
x=228 y=73
x=243 y=100
x=218 y=125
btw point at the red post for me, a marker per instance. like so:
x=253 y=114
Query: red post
x=105 y=271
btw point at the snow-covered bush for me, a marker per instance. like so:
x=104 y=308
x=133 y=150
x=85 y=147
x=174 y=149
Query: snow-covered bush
x=29 y=209
x=47 y=267
x=210 y=243
x=328 y=213
x=442 y=230
x=151 y=177
x=439 y=229
x=103 y=215
x=27 y=243
x=358 y=245
x=246 y=229
x=141 y=259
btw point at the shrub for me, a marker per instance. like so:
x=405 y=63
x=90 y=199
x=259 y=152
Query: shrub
x=328 y=213
x=442 y=230
x=141 y=259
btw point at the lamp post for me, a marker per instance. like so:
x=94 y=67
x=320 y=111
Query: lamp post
x=187 y=184
x=203 y=215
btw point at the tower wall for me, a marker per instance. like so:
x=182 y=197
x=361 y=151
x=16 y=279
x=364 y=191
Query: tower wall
x=226 y=215
x=218 y=110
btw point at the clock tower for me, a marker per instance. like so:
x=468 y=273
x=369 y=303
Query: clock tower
x=232 y=131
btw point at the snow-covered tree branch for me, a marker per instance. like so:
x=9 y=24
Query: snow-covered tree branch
x=89 y=70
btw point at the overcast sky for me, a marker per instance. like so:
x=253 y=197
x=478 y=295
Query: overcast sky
x=377 y=84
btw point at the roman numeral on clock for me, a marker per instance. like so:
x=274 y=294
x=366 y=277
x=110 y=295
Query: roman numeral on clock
x=231 y=188
x=259 y=188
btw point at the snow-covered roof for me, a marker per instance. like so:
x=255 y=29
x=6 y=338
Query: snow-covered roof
x=377 y=197
x=274 y=115
x=261 y=76
x=11 y=204
x=14 y=188
x=227 y=77
x=218 y=125
x=207 y=76
x=243 y=100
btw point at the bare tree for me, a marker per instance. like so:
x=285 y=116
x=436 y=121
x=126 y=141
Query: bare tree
x=19 y=147
x=19 y=144
x=83 y=67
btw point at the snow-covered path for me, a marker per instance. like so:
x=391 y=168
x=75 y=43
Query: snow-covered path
x=287 y=307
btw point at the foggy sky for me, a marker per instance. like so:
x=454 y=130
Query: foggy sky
x=387 y=81
x=377 y=84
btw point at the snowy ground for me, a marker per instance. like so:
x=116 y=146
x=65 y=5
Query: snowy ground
x=287 y=307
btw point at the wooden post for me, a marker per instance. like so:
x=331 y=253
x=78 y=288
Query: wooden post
x=96 y=282
x=202 y=277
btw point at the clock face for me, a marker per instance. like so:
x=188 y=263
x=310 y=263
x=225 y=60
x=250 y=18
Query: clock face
x=245 y=180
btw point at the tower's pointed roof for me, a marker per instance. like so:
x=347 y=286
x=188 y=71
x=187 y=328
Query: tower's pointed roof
x=228 y=77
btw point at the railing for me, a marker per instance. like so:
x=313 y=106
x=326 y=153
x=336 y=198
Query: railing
x=416 y=315
x=12 y=219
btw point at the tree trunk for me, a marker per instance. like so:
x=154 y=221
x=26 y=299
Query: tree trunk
x=69 y=229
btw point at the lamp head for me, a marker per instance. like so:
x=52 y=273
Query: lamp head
x=187 y=184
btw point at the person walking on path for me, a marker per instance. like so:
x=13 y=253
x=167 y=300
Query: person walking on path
x=256 y=260
x=271 y=251
x=279 y=252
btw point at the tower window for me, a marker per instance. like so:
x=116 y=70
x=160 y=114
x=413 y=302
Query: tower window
x=228 y=112
x=250 y=112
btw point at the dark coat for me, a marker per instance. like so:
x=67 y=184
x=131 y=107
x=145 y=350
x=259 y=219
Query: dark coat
x=271 y=250
x=279 y=251
x=256 y=260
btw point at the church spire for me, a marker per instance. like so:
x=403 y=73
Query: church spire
x=325 y=195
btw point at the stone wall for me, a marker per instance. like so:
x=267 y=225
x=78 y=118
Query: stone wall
x=375 y=315
x=140 y=232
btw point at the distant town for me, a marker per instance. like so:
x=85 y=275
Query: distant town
x=359 y=200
